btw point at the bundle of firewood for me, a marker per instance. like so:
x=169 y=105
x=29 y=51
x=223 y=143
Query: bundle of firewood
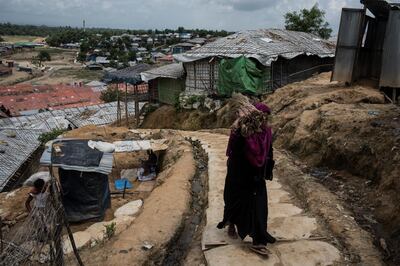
x=250 y=120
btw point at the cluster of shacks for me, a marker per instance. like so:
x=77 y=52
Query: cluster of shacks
x=253 y=61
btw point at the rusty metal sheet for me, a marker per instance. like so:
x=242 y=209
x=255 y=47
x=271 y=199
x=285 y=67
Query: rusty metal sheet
x=390 y=74
x=351 y=24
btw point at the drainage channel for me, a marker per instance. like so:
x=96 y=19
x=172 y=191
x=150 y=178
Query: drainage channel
x=187 y=240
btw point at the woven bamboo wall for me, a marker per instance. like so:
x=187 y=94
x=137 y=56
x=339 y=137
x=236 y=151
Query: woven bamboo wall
x=202 y=75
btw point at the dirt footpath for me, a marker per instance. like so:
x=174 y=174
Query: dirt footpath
x=304 y=237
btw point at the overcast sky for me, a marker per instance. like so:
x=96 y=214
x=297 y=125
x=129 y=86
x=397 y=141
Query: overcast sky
x=230 y=15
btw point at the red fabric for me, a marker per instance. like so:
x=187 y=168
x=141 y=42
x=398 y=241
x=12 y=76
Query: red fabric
x=257 y=147
x=258 y=144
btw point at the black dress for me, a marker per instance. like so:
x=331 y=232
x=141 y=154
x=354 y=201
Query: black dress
x=245 y=196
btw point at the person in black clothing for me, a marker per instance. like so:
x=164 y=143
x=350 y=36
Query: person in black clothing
x=250 y=162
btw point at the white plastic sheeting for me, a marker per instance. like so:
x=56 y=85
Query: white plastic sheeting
x=173 y=71
x=140 y=145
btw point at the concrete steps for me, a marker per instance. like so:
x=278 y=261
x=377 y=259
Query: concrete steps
x=289 y=223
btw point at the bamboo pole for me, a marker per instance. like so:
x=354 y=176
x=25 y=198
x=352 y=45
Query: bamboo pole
x=126 y=105
x=137 y=117
x=118 y=108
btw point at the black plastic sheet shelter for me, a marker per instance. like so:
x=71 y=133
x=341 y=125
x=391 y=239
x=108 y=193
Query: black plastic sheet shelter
x=85 y=192
x=130 y=75
x=85 y=195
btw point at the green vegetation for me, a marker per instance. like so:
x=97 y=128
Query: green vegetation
x=110 y=230
x=46 y=137
x=66 y=36
x=110 y=95
x=312 y=20
x=1 y=39
x=41 y=57
x=44 y=55
x=81 y=57
x=58 y=35
x=196 y=98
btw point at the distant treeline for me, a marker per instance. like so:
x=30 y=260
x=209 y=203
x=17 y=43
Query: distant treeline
x=58 y=35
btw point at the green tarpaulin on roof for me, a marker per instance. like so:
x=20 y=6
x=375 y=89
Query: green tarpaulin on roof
x=240 y=75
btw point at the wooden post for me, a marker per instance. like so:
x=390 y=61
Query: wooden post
x=126 y=105
x=58 y=256
x=123 y=193
x=71 y=238
x=394 y=96
x=272 y=76
x=195 y=75
x=1 y=236
x=54 y=192
x=281 y=74
x=137 y=116
x=118 y=108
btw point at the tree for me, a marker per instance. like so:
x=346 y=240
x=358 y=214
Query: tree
x=181 y=29
x=309 y=20
x=132 y=55
x=1 y=39
x=81 y=57
x=110 y=95
x=44 y=56
x=41 y=57
x=127 y=42
x=113 y=63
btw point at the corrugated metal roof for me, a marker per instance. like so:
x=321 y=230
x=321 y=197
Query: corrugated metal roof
x=103 y=115
x=265 y=45
x=173 y=71
x=27 y=129
x=27 y=97
x=100 y=114
x=16 y=146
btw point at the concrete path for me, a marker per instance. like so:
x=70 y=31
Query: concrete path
x=297 y=232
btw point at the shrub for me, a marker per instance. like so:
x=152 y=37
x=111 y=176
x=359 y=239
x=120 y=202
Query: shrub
x=110 y=95
x=46 y=137
x=110 y=230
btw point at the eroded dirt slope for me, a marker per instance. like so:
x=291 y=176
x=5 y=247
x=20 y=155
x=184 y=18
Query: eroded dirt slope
x=345 y=128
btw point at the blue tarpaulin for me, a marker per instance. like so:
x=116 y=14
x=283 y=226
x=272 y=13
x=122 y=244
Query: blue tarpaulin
x=121 y=183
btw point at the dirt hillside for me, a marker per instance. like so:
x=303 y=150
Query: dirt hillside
x=345 y=128
x=168 y=116
x=348 y=136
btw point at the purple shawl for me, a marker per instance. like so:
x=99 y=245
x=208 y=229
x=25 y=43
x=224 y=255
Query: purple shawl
x=257 y=145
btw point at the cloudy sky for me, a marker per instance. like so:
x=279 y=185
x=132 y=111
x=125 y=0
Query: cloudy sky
x=230 y=15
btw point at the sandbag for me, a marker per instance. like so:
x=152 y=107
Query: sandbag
x=45 y=176
x=101 y=146
x=130 y=174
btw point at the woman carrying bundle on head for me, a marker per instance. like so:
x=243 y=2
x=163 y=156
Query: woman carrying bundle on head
x=249 y=163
